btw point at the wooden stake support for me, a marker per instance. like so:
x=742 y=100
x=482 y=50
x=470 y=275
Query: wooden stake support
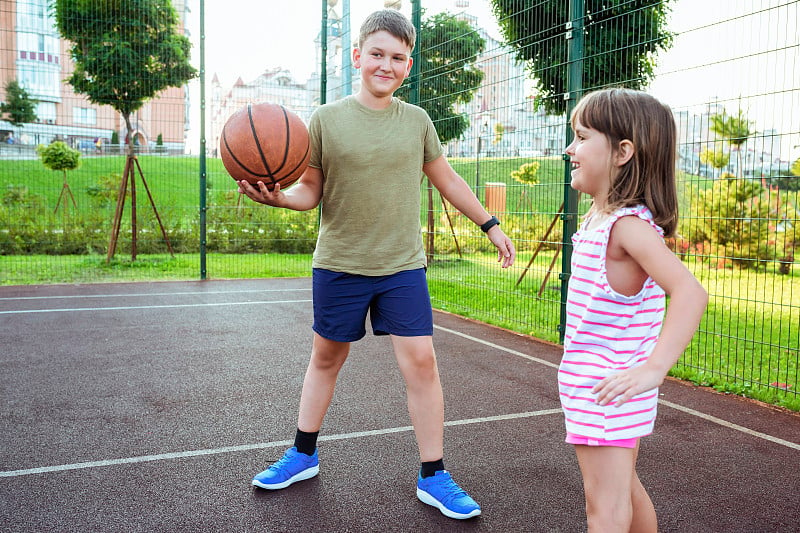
x=130 y=176
x=539 y=248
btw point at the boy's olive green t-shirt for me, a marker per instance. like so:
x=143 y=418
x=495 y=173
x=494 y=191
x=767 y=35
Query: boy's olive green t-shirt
x=371 y=162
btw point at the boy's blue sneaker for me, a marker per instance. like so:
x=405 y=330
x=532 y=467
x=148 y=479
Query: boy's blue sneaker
x=293 y=466
x=443 y=493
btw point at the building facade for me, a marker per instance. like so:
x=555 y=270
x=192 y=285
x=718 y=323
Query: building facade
x=33 y=54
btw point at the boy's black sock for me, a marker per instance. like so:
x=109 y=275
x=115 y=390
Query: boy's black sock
x=429 y=468
x=306 y=442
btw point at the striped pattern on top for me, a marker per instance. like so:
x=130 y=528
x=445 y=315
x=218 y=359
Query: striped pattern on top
x=606 y=332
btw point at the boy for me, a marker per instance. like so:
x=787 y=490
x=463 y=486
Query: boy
x=367 y=153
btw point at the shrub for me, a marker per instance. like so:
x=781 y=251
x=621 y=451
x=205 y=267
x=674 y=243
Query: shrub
x=106 y=190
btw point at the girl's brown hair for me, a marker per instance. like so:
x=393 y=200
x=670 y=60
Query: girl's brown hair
x=391 y=21
x=649 y=176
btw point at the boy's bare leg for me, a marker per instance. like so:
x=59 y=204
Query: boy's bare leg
x=327 y=358
x=417 y=362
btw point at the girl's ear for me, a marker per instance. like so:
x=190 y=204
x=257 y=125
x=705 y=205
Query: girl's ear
x=624 y=153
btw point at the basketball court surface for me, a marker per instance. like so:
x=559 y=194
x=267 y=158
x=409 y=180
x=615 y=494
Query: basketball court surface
x=150 y=406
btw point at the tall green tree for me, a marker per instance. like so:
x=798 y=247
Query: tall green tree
x=621 y=40
x=735 y=130
x=19 y=108
x=125 y=51
x=449 y=49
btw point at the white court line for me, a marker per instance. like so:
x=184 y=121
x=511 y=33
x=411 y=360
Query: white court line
x=144 y=294
x=498 y=347
x=687 y=410
x=731 y=425
x=257 y=446
x=132 y=307
x=358 y=434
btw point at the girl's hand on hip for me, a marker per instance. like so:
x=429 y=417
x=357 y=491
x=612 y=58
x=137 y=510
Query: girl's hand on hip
x=621 y=387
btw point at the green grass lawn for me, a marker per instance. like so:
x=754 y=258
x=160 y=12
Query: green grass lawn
x=44 y=269
x=172 y=180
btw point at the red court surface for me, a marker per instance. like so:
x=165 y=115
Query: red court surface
x=149 y=406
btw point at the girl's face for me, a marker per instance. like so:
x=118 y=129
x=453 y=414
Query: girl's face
x=385 y=61
x=592 y=166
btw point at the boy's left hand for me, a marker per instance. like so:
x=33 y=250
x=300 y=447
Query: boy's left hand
x=505 y=248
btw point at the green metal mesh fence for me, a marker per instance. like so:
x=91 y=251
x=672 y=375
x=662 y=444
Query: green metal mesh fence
x=499 y=78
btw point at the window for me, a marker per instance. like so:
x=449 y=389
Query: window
x=84 y=115
x=46 y=112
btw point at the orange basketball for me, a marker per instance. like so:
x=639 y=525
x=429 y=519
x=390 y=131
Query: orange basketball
x=265 y=142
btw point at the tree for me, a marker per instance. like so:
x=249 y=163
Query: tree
x=735 y=130
x=125 y=52
x=718 y=159
x=58 y=156
x=621 y=41
x=526 y=173
x=19 y=108
x=735 y=219
x=449 y=49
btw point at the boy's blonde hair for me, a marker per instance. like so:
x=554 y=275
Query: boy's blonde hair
x=388 y=20
x=649 y=176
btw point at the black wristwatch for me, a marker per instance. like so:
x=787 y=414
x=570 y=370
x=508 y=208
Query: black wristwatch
x=489 y=224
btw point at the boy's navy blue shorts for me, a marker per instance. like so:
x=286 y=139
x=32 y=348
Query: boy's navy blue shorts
x=398 y=304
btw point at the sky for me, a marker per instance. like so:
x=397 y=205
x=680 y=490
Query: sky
x=243 y=38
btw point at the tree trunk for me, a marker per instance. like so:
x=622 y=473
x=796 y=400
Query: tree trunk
x=127 y=118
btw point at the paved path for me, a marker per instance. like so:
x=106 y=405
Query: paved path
x=149 y=406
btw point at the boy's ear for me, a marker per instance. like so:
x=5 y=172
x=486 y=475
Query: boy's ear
x=356 y=57
x=408 y=68
x=625 y=152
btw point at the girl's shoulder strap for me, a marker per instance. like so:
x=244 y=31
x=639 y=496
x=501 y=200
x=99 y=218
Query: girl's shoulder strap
x=641 y=211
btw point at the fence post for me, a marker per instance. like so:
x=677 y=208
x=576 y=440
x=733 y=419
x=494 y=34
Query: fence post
x=347 y=39
x=416 y=20
x=323 y=41
x=414 y=83
x=203 y=173
x=569 y=215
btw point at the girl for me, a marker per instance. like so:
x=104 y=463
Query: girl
x=616 y=352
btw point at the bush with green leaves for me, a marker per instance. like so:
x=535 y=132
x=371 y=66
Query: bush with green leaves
x=716 y=158
x=29 y=227
x=105 y=192
x=735 y=221
x=59 y=156
x=526 y=173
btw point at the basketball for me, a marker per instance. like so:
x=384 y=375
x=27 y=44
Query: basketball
x=265 y=142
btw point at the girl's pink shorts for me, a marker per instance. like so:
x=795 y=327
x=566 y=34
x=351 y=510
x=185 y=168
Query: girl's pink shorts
x=572 y=438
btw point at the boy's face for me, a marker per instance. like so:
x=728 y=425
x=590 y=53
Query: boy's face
x=385 y=62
